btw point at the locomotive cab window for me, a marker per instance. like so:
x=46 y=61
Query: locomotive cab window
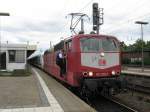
x=109 y=45
x=98 y=44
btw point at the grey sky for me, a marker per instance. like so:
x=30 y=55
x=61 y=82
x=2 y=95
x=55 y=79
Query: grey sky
x=45 y=20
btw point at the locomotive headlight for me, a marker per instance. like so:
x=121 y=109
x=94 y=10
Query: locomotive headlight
x=113 y=72
x=102 y=54
x=90 y=74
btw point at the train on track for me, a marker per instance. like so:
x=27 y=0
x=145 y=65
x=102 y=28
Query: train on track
x=92 y=62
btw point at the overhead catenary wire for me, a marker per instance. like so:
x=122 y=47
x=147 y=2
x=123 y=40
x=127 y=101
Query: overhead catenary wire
x=80 y=11
x=139 y=2
x=130 y=14
x=85 y=6
x=129 y=20
x=139 y=7
x=118 y=3
x=122 y=23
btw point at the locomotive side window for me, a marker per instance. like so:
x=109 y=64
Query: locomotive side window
x=69 y=45
x=59 y=46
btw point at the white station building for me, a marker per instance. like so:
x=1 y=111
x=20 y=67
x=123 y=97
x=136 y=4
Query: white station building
x=14 y=56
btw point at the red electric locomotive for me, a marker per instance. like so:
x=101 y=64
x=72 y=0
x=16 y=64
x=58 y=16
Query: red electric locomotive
x=92 y=61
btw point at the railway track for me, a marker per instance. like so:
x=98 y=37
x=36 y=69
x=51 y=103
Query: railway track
x=139 y=88
x=107 y=104
x=137 y=83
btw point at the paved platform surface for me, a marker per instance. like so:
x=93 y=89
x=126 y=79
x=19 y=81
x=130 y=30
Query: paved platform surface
x=136 y=71
x=68 y=101
x=53 y=97
x=18 y=92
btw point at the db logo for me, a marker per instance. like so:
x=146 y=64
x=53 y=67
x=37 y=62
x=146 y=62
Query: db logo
x=102 y=62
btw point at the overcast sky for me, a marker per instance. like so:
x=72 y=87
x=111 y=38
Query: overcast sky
x=42 y=21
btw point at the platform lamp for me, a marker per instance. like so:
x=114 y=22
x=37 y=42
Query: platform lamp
x=142 y=23
x=2 y=14
x=37 y=44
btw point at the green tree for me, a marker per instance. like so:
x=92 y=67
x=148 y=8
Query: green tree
x=137 y=46
x=147 y=45
x=123 y=46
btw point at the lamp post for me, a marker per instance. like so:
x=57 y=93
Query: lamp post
x=37 y=44
x=2 y=14
x=142 y=23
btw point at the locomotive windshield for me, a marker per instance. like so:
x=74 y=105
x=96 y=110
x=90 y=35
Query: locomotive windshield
x=97 y=45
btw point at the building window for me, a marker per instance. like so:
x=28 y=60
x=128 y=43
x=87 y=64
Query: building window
x=12 y=56
x=16 y=56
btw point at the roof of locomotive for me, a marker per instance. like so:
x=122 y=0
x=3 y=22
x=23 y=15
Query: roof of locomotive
x=60 y=44
x=93 y=35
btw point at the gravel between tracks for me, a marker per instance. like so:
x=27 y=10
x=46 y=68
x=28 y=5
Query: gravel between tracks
x=139 y=101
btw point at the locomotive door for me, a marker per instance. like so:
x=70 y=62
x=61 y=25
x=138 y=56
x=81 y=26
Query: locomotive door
x=68 y=45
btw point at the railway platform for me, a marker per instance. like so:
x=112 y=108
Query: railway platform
x=50 y=95
x=136 y=71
